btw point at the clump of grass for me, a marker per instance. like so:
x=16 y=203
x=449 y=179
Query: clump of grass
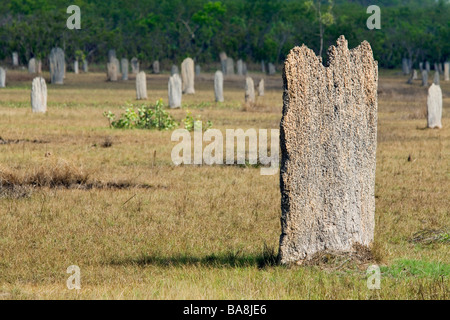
x=11 y=185
x=52 y=173
x=8 y=179
x=107 y=143
x=55 y=173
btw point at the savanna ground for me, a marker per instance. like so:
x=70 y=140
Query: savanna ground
x=76 y=192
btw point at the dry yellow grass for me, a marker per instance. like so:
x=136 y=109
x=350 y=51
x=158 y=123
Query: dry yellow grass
x=200 y=232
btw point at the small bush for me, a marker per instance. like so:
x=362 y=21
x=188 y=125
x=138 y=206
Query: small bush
x=191 y=123
x=143 y=117
x=151 y=117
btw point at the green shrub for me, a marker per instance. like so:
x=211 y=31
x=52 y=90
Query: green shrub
x=151 y=117
x=143 y=117
x=190 y=123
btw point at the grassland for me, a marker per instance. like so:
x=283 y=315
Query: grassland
x=141 y=228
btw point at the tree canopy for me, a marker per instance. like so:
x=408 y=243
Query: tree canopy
x=249 y=29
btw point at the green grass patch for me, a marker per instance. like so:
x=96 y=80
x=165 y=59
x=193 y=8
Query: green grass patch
x=417 y=268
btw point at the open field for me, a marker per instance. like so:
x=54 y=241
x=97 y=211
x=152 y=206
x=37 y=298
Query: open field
x=141 y=228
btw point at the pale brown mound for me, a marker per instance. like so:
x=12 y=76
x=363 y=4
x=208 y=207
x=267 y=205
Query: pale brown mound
x=328 y=140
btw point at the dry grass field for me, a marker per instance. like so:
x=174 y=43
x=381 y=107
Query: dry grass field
x=76 y=192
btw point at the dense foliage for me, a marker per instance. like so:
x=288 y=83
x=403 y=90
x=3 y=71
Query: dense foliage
x=143 y=117
x=255 y=30
x=153 y=117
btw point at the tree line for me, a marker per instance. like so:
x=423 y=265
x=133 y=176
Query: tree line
x=252 y=30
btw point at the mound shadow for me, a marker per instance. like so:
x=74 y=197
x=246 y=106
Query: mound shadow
x=267 y=258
